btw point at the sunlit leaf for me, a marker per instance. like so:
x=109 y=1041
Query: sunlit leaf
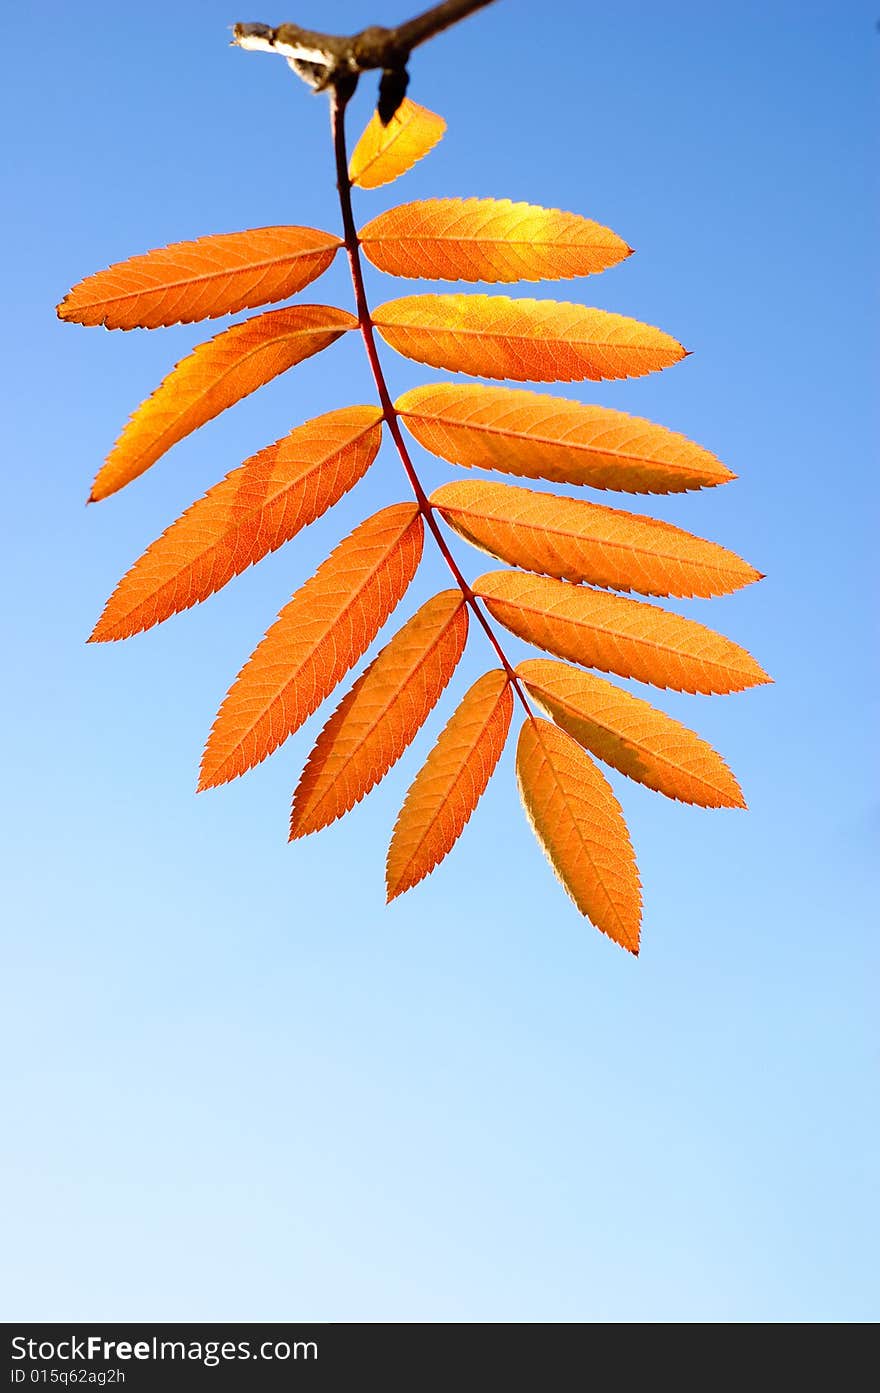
x=578 y=822
x=631 y=735
x=615 y=634
x=314 y=641
x=488 y=239
x=187 y=281
x=580 y=541
x=383 y=153
x=381 y=714
x=250 y=513
x=451 y=782
x=536 y=436
x=526 y=340
x=214 y=376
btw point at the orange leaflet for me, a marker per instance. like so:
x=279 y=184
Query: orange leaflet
x=488 y=239
x=383 y=153
x=316 y=638
x=527 y=340
x=631 y=735
x=450 y=784
x=211 y=276
x=215 y=375
x=382 y=714
x=578 y=822
x=541 y=437
x=618 y=635
x=250 y=513
x=579 y=541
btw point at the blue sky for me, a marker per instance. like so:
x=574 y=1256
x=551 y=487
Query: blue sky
x=236 y=1085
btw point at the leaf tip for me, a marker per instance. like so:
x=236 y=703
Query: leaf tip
x=762 y=678
x=218 y=767
x=208 y=777
x=395 y=881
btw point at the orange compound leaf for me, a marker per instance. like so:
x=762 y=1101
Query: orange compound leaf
x=617 y=635
x=488 y=239
x=631 y=735
x=383 y=153
x=580 y=541
x=578 y=822
x=314 y=641
x=214 y=376
x=451 y=783
x=526 y=340
x=250 y=513
x=202 y=279
x=382 y=714
x=540 y=437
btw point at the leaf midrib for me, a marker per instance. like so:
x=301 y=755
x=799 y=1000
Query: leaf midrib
x=530 y=437
x=537 y=338
x=401 y=238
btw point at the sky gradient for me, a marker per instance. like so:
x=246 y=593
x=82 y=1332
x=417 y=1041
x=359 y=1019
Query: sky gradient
x=236 y=1085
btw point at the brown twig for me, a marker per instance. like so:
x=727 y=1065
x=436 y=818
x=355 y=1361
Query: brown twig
x=336 y=60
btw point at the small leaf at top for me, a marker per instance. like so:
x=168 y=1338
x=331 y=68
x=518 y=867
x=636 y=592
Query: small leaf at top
x=488 y=239
x=187 y=281
x=214 y=376
x=535 y=436
x=526 y=340
x=384 y=152
x=578 y=822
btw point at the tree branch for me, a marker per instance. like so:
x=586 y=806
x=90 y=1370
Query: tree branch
x=335 y=60
x=434 y=21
